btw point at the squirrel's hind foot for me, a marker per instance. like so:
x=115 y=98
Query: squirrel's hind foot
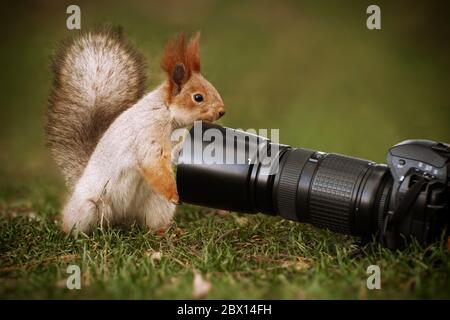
x=82 y=216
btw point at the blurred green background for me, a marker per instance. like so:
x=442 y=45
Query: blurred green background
x=312 y=70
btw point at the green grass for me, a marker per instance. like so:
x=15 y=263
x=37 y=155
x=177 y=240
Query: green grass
x=242 y=256
x=312 y=70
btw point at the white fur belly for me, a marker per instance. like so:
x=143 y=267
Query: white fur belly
x=122 y=198
x=134 y=201
x=122 y=191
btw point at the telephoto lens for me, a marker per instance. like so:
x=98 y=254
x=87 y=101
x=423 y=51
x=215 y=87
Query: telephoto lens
x=235 y=170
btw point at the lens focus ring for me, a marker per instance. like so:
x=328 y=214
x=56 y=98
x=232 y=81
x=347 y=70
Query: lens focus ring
x=332 y=192
x=286 y=192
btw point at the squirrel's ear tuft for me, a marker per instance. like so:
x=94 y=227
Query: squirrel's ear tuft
x=193 y=53
x=178 y=75
x=174 y=62
x=180 y=60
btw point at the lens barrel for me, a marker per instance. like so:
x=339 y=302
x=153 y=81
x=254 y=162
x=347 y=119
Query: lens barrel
x=230 y=176
x=330 y=191
x=340 y=193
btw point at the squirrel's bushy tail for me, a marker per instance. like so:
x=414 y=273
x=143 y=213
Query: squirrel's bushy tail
x=97 y=76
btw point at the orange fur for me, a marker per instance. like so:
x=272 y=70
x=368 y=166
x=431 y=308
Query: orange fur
x=159 y=175
x=177 y=52
x=193 y=53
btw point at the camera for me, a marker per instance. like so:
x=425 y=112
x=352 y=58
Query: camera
x=405 y=200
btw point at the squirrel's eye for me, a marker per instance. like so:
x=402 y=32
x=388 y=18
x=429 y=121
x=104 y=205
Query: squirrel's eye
x=198 y=97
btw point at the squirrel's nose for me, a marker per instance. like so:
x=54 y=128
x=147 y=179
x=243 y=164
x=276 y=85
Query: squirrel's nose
x=221 y=112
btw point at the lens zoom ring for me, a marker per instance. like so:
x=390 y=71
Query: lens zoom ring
x=331 y=193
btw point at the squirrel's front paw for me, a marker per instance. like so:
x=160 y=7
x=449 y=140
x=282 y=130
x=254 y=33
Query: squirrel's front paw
x=162 y=180
x=175 y=199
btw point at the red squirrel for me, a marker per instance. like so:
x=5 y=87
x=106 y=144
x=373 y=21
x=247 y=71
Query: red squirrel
x=112 y=142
